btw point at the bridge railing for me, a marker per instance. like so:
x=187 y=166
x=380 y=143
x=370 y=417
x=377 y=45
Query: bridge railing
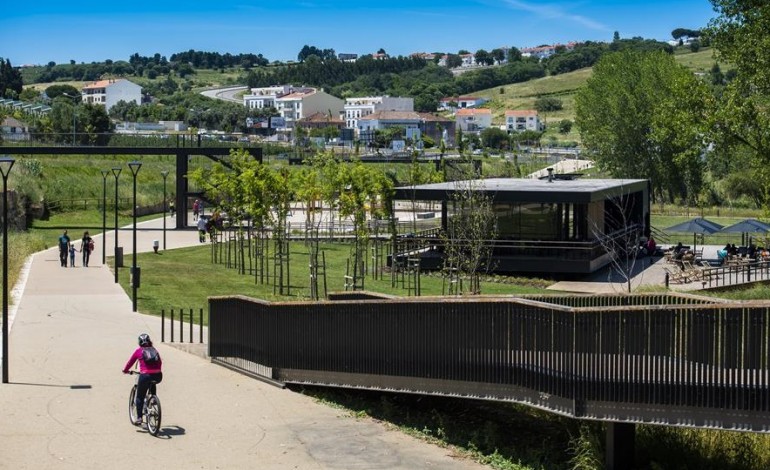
x=703 y=365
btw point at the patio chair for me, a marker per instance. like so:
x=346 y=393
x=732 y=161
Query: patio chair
x=693 y=272
x=708 y=272
x=680 y=277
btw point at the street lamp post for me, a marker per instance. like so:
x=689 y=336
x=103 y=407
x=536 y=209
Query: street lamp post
x=116 y=171
x=6 y=163
x=164 y=174
x=135 y=278
x=104 y=216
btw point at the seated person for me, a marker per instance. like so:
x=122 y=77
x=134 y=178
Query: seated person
x=688 y=255
x=752 y=251
x=651 y=246
x=722 y=255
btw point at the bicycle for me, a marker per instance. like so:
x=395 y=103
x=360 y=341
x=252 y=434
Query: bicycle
x=150 y=411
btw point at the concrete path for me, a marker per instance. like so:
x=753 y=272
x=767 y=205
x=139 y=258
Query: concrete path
x=67 y=403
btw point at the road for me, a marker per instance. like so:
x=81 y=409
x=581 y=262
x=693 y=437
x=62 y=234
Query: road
x=225 y=94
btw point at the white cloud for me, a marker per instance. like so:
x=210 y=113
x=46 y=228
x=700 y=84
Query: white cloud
x=554 y=11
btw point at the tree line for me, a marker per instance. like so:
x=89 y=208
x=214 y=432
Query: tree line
x=701 y=140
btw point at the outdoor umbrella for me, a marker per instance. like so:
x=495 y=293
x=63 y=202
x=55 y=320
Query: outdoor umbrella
x=696 y=226
x=748 y=226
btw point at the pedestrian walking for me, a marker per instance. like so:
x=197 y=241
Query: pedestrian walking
x=202 y=229
x=196 y=208
x=64 y=248
x=72 y=255
x=86 y=247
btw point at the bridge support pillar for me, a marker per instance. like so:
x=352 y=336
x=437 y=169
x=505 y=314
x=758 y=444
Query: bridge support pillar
x=620 y=446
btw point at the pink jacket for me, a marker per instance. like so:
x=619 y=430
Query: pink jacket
x=137 y=356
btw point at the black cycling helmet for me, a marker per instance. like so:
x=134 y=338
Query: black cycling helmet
x=144 y=340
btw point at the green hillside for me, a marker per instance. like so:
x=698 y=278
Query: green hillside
x=523 y=95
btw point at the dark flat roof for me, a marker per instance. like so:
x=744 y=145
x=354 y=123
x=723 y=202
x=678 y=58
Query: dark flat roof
x=527 y=190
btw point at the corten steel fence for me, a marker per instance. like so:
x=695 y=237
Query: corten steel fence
x=702 y=365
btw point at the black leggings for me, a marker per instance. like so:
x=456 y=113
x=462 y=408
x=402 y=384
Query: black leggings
x=145 y=381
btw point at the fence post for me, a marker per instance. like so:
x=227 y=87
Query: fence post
x=162 y=325
x=200 y=322
x=172 y=325
x=191 y=325
x=666 y=280
x=181 y=325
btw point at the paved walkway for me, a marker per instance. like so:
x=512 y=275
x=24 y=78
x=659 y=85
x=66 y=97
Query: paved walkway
x=645 y=272
x=66 y=405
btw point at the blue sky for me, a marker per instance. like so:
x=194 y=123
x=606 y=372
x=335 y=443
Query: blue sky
x=87 y=31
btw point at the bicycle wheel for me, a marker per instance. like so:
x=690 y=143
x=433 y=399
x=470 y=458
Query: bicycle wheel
x=132 y=405
x=153 y=415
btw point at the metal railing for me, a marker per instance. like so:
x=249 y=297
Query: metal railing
x=697 y=365
x=176 y=325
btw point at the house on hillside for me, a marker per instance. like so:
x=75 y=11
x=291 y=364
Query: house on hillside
x=460 y=102
x=301 y=104
x=109 y=92
x=13 y=129
x=356 y=108
x=523 y=120
x=473 y=119
x=435 y=127
x=264 y=97
x=320 y=120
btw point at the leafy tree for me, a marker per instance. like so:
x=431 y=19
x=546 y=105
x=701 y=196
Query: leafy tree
x=470 y=229
x=642 y=115
x=514 y=54
x=11 y=83
x=739 y=35
x=483 y=57
x=54 y=91
x=680 y=33
x=322 y=54
x=453 y=61
x=494 y=137
x=498 y=55
x=545 y=104
x=565 y=126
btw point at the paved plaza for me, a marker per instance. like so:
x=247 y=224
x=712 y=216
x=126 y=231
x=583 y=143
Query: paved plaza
x=67 y=401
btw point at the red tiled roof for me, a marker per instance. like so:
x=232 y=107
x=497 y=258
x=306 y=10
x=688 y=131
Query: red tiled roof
x=521 y=113
x=473 y=111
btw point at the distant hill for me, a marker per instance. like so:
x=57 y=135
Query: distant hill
x=564 y=87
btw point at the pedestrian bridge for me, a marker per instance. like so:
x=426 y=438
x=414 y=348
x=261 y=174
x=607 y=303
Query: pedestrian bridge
x=668 y=359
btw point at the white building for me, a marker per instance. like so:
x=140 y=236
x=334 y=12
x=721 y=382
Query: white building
x=473 y=120
x=461 y=102
x=301 y=104
x=356 y=108
x=109 y=92
x=264 y=97
x=523 y=120
x=293 y=102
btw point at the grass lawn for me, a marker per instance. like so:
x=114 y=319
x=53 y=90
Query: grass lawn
x=76 y=222
x=185 y=278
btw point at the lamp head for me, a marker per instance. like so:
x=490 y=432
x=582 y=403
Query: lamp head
x=116 y=171
x=164 y=173
x=105 y=173
x=135 y=166
x=6 y=163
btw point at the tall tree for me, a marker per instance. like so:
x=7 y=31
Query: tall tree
x=739 y=35
x=10 y=80
x=642 y=115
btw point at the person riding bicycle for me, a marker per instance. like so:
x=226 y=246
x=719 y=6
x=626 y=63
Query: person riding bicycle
x=150 y=370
